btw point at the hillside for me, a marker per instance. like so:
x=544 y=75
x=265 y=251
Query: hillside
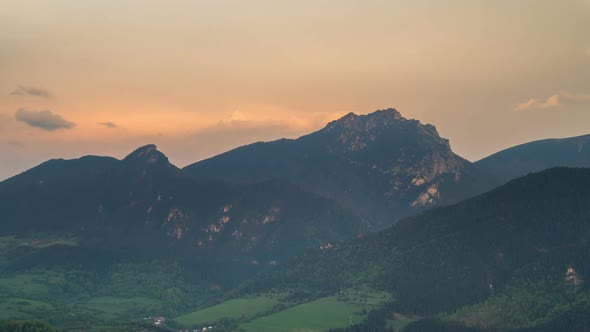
x=98 y=241
x=144 y=203
x=519 y=243
x=537 y=156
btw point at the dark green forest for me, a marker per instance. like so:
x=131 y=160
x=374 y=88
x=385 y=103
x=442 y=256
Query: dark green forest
x=522 y=247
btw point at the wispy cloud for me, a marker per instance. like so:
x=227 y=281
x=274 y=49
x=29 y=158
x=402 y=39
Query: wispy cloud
x=15 y=143
x=44 y=119
x=108 y=124
x=563 y=98
x=30 y=91
x=240 y=128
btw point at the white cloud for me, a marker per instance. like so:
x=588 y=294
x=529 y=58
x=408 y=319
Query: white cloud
x=563 y=98
x=238 y=116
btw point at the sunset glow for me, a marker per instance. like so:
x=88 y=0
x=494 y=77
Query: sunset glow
x=127 y=73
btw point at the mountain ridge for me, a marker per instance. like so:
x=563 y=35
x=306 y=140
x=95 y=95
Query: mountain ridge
x=145 y=203
x=381 y=165
x=305 y=211
x=535 y=156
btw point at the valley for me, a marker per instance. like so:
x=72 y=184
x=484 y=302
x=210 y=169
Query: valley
x=294 y=166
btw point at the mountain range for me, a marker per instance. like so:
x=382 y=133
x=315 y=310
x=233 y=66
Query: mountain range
x=266 y=201
x=146 y=204
x=376 y=200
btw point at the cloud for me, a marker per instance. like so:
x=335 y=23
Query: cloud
x=227 y=135
x=238 y=116
x=30 y=91
x=563 y=98
x=15 y=143
x=108 y=124
x=248 y=131
x=45 y=119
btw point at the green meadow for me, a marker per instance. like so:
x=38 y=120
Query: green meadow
x=113 y=308
x=84 y=297
x=18 y=308
x=240 y=308
x=320 y=315
x=127 y=292
x=274 y=312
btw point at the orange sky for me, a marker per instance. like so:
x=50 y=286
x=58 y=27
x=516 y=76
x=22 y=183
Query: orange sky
x=202 y=76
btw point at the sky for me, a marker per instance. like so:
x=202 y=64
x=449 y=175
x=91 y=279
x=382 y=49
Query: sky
x=200 y=77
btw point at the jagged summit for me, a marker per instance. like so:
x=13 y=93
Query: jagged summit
x=371 y=126
x=387 y=114
x=379 y=118
x=148 y=154
x=385 y=128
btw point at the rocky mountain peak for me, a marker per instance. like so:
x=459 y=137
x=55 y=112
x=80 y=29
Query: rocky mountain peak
x=387 y=114
x=387 y=127
x=148 y=154
x=378 y=119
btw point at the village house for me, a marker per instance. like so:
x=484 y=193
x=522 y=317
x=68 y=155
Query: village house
x=159 y=321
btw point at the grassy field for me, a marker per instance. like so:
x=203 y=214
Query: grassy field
x=236 y=308
x=111 y=295
x=263 y=313
x=320 y=315
x=53 y=293
x=80 y=297
x=110 y=307
x=26 y=296
x=17 y=308
x=30 y=284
